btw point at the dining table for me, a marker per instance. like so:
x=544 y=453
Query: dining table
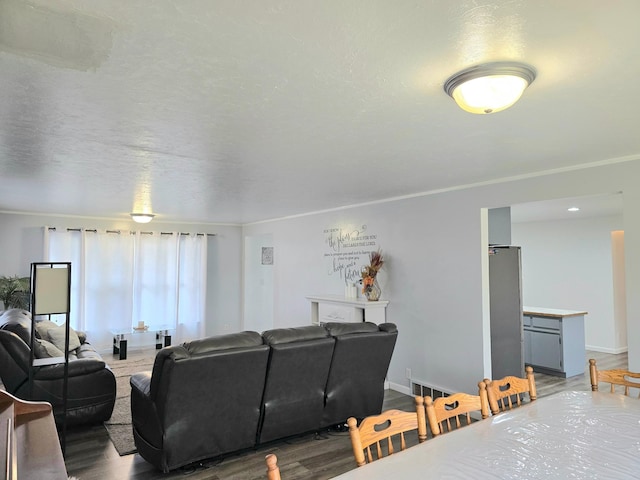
x=567 y=435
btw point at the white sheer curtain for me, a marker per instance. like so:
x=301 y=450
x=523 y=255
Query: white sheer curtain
x=155 y=287
x=68 y=246
x=192 y=287
x=121 y=278
x=107 y=268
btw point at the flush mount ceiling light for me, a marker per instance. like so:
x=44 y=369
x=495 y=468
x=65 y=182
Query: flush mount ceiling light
x=573 y=209
x=490 y=87
x=142 y=217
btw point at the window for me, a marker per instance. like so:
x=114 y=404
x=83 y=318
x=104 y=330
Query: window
x=121 y=278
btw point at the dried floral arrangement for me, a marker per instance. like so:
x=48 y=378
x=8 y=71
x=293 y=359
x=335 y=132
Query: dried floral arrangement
x=370 y=271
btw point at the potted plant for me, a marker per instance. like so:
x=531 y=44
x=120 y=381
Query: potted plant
x=14 y=292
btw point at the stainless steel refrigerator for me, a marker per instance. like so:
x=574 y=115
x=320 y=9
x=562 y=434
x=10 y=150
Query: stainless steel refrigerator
x=507 y=337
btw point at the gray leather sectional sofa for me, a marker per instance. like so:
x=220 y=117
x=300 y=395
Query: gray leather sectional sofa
x=223 y=394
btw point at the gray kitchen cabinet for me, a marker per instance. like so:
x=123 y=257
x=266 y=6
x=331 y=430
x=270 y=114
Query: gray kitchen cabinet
x=554 y=341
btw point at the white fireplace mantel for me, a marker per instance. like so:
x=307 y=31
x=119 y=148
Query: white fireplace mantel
x=336 y=308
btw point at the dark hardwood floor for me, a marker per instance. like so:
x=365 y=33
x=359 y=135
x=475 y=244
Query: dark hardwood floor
x=91 y=456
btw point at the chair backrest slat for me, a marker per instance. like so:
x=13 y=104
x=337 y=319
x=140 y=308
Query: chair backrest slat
x=616 y=377
x=502 y=392
x=377 y=428
x=443 y=410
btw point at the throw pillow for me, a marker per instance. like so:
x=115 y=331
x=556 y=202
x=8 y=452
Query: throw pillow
x=44 y=349
x=43 y=327
x=56 y=336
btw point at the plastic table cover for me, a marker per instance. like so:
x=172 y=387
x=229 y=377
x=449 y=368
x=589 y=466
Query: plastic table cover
x=568 y=435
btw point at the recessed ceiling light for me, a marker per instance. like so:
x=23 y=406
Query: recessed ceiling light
x=573 y=209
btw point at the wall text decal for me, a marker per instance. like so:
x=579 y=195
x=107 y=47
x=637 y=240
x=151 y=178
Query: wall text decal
x=347 y=251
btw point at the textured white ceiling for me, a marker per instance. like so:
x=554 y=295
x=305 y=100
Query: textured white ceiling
x=239 y=111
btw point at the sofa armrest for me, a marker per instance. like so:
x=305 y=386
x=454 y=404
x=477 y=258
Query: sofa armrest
x=82 y=366
x=141 y=382
x=82 y=336
x=144 y=416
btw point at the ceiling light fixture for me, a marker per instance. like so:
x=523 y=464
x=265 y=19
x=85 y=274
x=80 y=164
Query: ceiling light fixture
x=142 y=217
x=573 y=209
x=490 y=87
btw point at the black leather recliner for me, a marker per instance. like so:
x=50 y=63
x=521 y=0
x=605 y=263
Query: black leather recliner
x=361 y=357
x=299 y=363
x=201 y=400
x=91 y=389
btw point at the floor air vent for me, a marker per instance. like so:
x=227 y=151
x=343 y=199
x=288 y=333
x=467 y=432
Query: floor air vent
x=427 y=390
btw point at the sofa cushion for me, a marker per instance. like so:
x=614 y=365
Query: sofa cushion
x=82 y=336
x=338 y=328
x=86 y=350
x=75 y=369
x=57 y=337
x=368 y=353
x=223 y=342
x=45 y=349
x=43 y=327
x=293 y=398
x=203 y=400
x=297 y=334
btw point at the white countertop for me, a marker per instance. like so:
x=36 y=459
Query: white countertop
x=551 y=312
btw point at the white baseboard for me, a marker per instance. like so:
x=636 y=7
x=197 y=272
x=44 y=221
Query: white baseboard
x=398 y=388
x=614 y=351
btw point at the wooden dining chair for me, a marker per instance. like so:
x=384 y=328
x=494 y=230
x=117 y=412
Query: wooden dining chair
x=456 y=409
x=617 y=377
x=273 y=471
x=389 y=425
x=506 y=393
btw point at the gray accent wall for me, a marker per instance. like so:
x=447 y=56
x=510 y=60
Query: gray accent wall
x=500 y=226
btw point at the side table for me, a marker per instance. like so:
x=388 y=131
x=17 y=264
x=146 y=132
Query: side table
x=120 y=345
x=163 y=338
x=121 y=339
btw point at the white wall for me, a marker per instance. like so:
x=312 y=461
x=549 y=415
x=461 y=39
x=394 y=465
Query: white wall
x=435 y=270
x=568 y=265
x=21 y=242
x=224 y=279
x=258 y=285
x=619 y=287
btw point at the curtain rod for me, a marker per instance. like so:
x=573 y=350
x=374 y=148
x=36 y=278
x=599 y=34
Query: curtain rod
x=133 y=233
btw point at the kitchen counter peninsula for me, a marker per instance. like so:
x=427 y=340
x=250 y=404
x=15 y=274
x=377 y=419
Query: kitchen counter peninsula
x=554 y=340
x=552 y=312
